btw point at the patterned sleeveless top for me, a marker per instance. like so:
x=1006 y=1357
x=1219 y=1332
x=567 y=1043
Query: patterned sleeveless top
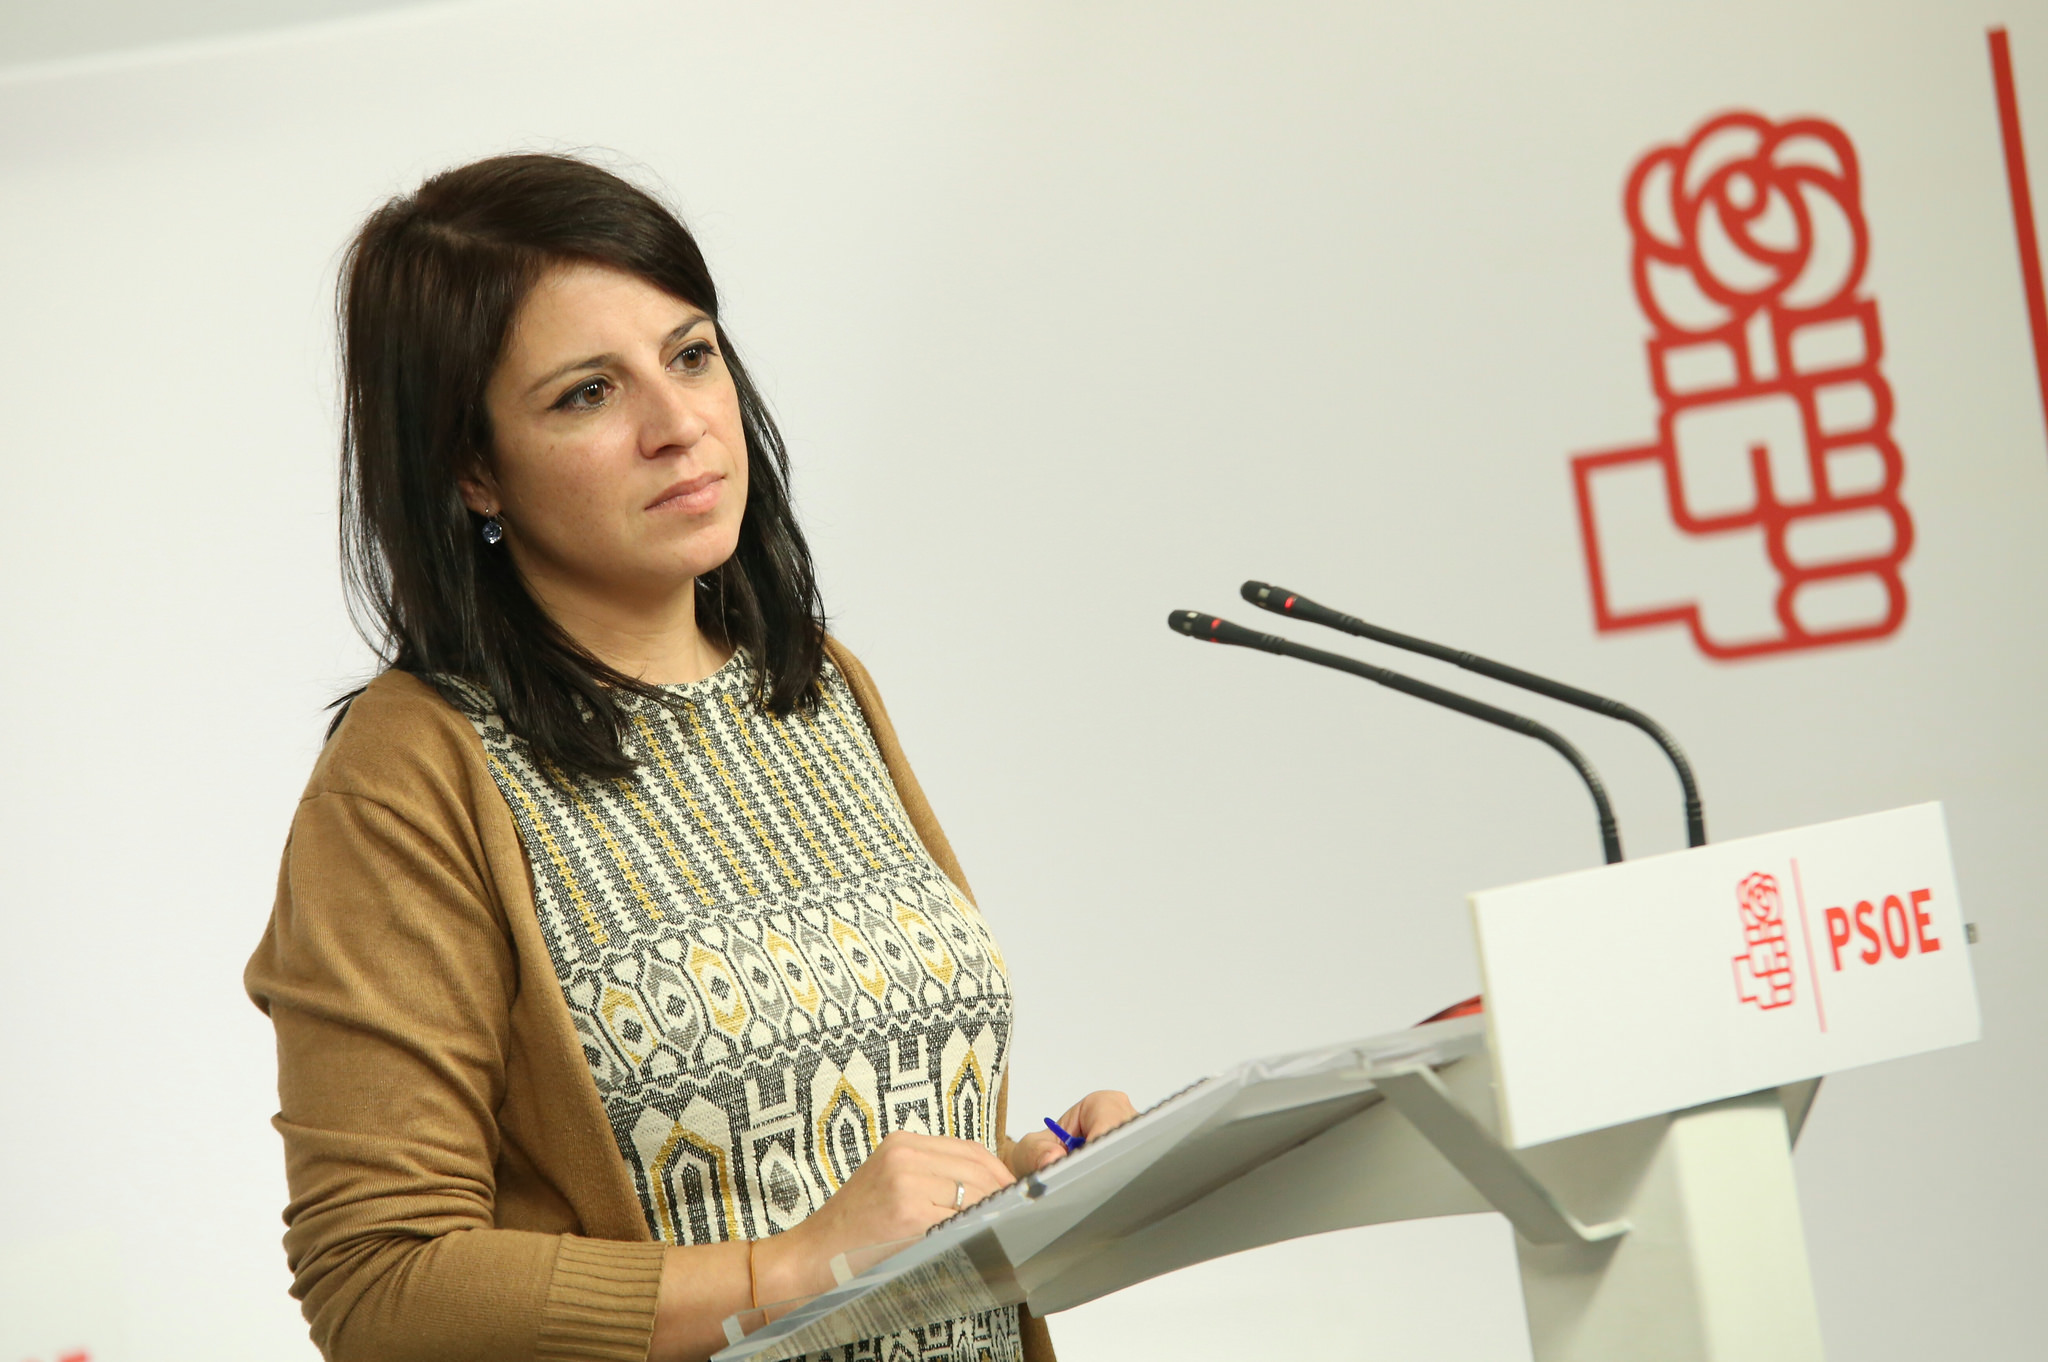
x=767 y=970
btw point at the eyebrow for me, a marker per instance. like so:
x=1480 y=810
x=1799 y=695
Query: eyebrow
x=694 y=321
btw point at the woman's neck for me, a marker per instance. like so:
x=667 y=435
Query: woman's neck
x=658 y=642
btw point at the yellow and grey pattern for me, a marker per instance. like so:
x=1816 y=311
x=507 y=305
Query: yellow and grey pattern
x=767 y=970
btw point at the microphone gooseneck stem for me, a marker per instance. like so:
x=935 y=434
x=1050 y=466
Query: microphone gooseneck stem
x=1200 y=626
x=1281 y=601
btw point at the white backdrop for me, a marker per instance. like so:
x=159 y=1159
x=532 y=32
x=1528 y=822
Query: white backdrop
x=1073 y=313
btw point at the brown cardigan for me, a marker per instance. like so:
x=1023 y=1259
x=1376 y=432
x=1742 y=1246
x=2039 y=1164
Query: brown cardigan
x=456 y=1191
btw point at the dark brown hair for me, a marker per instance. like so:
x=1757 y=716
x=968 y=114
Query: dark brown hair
x=428 y=294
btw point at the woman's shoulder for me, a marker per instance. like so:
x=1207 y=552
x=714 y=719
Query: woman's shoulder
x=840 y=658
x=399 y=735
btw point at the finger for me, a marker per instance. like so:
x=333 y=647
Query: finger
x=966 y=1156
x=992 y=1161
x=966 y=1162
x=1036 y=1150
x=919 y=1150
x=1847 y=603
x=938 y=1145
x=1098 y=1113
x=1864 y=534
x=1107 y=1110
x=951 y=1193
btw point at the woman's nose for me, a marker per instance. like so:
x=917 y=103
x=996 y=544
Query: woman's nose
x=671 y=420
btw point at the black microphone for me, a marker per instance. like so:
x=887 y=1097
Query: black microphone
x=1281 y=601
x=1195 y=624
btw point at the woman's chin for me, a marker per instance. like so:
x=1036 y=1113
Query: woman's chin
x=695 y=555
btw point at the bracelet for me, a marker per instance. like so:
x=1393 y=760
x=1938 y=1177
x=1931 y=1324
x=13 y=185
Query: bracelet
x=753 y=1290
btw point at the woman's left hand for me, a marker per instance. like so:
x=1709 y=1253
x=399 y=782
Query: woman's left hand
x=1096 y=1114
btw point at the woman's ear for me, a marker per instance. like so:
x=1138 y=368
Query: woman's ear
x=479 y=492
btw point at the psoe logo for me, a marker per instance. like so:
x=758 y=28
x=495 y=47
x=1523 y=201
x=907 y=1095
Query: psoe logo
x=1765 y=515
x=1763 y=972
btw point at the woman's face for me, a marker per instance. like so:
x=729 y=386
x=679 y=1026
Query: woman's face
x=620 y=464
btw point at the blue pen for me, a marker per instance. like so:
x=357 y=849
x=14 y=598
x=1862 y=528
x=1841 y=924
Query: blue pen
x=1072 y=1142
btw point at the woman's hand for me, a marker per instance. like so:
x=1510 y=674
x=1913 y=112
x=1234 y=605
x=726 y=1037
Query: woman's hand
x=1096 y=1114
x=909 y=1184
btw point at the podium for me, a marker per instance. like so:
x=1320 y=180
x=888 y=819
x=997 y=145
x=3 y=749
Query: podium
x=1643 y=1230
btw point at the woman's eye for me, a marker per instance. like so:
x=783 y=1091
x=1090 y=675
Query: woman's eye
x=695 y=357
x=584 y=396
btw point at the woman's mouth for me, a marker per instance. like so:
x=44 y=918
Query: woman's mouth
x=692 y=496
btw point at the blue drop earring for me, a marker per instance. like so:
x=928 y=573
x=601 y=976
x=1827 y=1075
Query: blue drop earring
x=494 y=528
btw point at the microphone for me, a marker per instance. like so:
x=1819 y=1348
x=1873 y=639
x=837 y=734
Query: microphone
x=1281 y=601
x=1197 y=625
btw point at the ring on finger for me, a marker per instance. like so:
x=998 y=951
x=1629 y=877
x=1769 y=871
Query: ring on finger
x=959 y=1194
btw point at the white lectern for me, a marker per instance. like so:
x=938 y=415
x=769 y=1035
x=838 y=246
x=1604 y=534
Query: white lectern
x=1653 y=1039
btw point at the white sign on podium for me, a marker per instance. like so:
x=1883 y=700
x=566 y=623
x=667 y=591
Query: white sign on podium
x=1660 y=984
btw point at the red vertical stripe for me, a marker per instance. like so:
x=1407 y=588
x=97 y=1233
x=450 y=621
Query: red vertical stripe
x=2022 y=205
x=1812 y=963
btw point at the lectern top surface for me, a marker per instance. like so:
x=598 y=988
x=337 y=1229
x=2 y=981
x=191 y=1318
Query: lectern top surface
x=1008 y=1247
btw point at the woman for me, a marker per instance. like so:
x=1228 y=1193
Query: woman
x=621 y=975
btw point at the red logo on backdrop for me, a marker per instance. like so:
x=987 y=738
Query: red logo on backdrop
x=1763 y=972
x=1766 y=516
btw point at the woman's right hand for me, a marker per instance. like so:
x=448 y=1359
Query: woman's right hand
x=909 y=1184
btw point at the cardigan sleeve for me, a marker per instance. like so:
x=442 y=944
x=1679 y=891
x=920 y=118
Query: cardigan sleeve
x=389 y=974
